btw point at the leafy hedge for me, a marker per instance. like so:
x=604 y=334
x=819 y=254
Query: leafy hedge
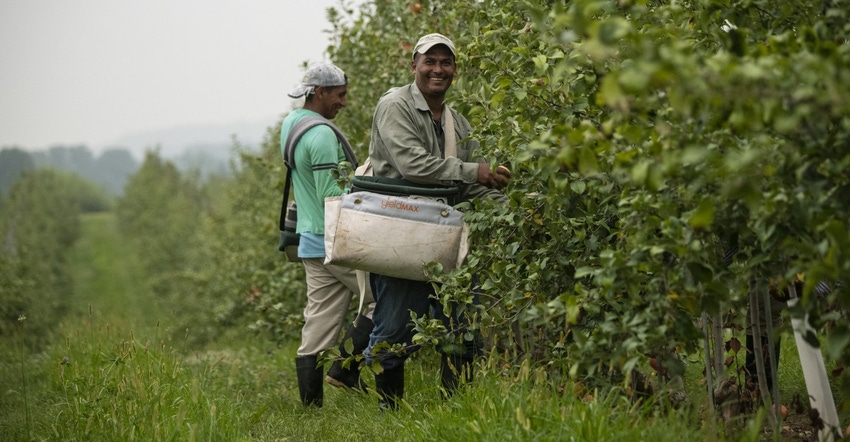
x=39 y=222
x=646 y=139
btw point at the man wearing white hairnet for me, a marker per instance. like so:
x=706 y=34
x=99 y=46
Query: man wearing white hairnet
x=329 y=287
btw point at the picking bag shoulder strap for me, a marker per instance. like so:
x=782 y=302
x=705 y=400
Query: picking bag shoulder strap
x=301 y=127
x=298 y=130
x=449 y=133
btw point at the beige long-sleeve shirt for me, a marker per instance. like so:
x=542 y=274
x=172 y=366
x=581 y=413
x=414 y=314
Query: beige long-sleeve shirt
x=406 y=144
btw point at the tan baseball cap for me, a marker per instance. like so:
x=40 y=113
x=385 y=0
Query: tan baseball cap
x=429 y=41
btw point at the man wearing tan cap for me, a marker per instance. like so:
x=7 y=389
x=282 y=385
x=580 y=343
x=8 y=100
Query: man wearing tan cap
x=329 y=287
x=415 y=136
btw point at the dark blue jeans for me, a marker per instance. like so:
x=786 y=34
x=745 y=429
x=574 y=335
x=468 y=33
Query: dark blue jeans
x=395 y=298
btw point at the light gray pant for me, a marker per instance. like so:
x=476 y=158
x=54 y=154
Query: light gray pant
x=329 y=292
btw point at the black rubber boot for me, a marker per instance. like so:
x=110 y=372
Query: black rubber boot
x=453 y=368
x=750 y=361
x=309 y=380
x=342 y=377
x=390 y=387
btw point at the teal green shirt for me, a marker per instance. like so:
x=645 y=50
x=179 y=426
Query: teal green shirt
x=316 y=154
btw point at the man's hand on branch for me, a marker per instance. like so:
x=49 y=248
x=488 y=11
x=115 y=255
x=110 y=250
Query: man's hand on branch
x=498 y=180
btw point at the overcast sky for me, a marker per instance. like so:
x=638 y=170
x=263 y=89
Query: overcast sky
x=94 y=72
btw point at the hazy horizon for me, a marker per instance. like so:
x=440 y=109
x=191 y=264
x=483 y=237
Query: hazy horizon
x=107 y=74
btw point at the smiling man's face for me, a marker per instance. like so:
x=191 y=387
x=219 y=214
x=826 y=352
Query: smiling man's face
x=330 y=100
x=434 y=71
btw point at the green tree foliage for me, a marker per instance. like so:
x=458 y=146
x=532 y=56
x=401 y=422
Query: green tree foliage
x=215 y=245
x=13 y=163
x=109 y=170
x=113 y=167
x=241 y=267
x=160 y=214
x=87 y=196
x=646 y=138
x=39 y=222
x=77 y=159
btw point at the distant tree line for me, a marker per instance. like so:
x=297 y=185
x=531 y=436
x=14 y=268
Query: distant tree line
x=109 y=170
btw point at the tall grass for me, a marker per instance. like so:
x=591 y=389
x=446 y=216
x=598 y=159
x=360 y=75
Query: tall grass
x=114 y=372
x=119 y=388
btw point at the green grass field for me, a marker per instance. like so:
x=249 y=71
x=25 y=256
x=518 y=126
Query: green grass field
x=110 y=374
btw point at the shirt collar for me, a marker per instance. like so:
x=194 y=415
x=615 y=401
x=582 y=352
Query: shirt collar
x=419 y=99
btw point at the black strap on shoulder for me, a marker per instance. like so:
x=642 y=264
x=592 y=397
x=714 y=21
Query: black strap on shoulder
x=298 y=130
x=301 y=127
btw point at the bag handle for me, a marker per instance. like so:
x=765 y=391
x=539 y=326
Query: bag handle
x=400 y=186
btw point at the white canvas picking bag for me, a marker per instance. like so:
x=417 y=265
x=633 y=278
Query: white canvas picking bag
x=393 y=235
